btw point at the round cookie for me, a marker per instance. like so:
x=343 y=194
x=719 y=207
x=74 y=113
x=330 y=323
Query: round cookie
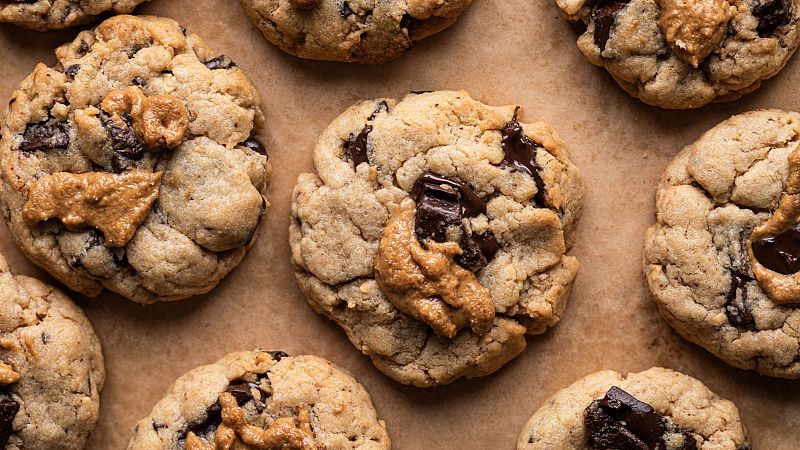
x=44 y=15
x=720 y=259
x=134 y=164
x=434 y=232
x=655 y=409
x=51 y=367
x=302 y=402
x=364 y=31
x=684 y=54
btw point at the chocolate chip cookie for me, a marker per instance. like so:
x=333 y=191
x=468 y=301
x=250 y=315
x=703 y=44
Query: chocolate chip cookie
x=656 y=409
x=263 y=400
x=51 y=367
x=365 y=31
x=687 y=53
x=59 y=14
x=721 y=261
x=134 y=164
x=434 y=232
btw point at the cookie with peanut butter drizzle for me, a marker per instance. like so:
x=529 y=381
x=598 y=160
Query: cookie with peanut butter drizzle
x=722 y=259
x=44 y=15
x=51 y=367
x=135 y=164
x=682 y=54
x=263 y=400
x=435 y=232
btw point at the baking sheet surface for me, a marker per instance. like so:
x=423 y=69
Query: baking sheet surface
x=503 y=52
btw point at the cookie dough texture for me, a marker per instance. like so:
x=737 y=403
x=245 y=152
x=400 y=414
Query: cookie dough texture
x=341 y=412
x=365 y=31
x=682 y=54
x=340 y=212
x=209 y=201
x=711 y=197
x=59 y=14
x=559 y=423
x=50 y=343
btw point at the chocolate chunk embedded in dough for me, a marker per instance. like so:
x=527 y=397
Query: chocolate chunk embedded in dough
x=780 y=253
x=8 y=410
x=604 y=15
x=45 y=135
x=771 y=15
x=520 y=156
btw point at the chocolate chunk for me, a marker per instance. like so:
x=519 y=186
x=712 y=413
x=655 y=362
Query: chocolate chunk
x=737 y=307
x=241 y=391
x=8 y=410
x=138 y=81
x=619 y=421
x=520 y=156
x=345 y=10
x=780 y=253
x=277 y=355
x=771 y=14
x=211 y=420
x=220 y=62
x=72 y=70
x=45 y=135
x=443 y=203
x=125 y=144
x=83 y=47
x=604 y=15
x=254 y=144
x=356 y=146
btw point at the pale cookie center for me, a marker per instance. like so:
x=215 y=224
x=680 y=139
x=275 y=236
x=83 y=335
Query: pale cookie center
x=160 y=121
x=428 y=284
x=774 y=246
x=114 y=204
x=284 y=433
x=694 y=28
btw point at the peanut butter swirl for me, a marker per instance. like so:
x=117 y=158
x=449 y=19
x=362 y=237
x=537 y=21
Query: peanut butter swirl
x=428 y=284
x=282 y=434
x=161 y=121
x=694 y=28
x=114 y=204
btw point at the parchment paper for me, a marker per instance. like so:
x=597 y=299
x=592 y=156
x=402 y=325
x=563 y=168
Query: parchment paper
x=503 y=52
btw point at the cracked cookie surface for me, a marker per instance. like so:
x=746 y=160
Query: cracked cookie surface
x=663 y=401
x=273 y=391
x=53 y=401
x=697 y=259
x=687 y=53
x=434 y=232
x=365 y=31
x=134 y=164
x=59 y=14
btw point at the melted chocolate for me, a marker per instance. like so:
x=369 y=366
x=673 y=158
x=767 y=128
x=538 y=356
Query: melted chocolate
x=771 y=14
x=737 y=307
x=604 y=15
x=356 y=145
x=8 y=410
x=443 y=203
x=780 y=253
x=45 y=135
x=520 y=156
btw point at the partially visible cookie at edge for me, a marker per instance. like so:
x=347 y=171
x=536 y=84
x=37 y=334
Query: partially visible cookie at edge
x=721 y=260
x=685 y=54
x=263 y=399
x=365 y=31
x=51 y=367
x=435 y=232
x=135 y=163
x=44 y=15
x=658 y=409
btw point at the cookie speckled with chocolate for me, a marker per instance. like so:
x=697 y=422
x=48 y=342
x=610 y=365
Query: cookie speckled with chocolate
x=722 y=259
x=657 y=409
x=265 y=400
x=364 y=31
x=44 y=15
x=51 y=367
x=134 y=164
x=685 y=54
x=435 y=232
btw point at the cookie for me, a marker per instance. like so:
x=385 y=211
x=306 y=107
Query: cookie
x=656 y=409
x=265 y=400
x=434 y=232
x=682 y=54
x=364 y=31
x=134 y=164
x=51 y=367
x=721 y=261
x=44 y=15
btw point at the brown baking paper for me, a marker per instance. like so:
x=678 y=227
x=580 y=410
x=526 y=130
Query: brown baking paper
x=503 y=52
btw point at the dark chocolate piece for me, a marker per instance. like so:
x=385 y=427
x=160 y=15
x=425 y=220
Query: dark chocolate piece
x=780 y=253
x=220 y=62
x=83 y=48
x=356 y=146
x=138 y=81
x=8 y=410
x=737 y=307
x=72 y=70
x=771 y=14
x=277 y=355
x=604 y=15
x=125 y=144
x=45 y=135
x=345 y=11
x=254 y=144
x=520 y=156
